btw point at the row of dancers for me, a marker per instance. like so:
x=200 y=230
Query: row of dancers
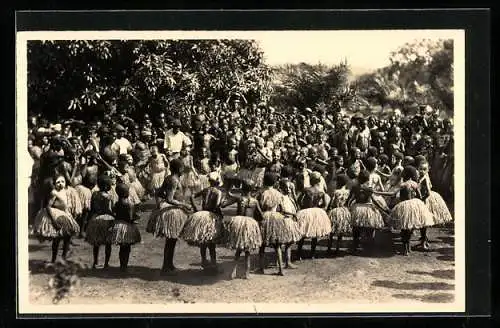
x=275 y=215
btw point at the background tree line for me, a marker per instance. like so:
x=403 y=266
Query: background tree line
x=83 y=78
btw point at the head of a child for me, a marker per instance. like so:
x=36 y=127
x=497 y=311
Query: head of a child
x=363 y=176
x=342 y=181
x=410 y=173
x=371 y=164
x=186 y=149
x=122 y=190
x=176 y=166
x=315 y=178
x=383 y=159
x=154 y=151
x=423 y=168
x=270 y=179
x=104 y=183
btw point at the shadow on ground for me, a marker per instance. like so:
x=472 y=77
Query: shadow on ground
x=429 y=298
x=441 y=274
x=413 y=285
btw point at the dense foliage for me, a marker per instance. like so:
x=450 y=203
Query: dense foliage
x=420 y=72
x=71 y=78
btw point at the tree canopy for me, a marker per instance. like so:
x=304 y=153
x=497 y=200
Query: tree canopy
x=72 y=78
x=420 y=72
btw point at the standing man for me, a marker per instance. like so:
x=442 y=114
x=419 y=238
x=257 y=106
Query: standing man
x=174 y=139
x=121 y=144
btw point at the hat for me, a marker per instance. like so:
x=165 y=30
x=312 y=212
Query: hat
x=309 y=110
x=119 y=128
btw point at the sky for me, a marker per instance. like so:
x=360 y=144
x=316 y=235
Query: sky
x=363 y=49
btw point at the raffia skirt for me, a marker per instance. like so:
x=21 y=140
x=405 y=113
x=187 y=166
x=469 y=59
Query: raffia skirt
x=243 y=232
x=278 y=229
x=411 y=214
x=258 y=176
x=44 y=228
x=85 y=195
x=366 y=216
x=190 y=180
x=203 y=182
x=166 y=222
x=340 y=218
x=203 y=227
x=124 y=233
x=245 y=174
x=436 y=204
x=314 y=222
x=157 y=179
x=139 y=189
x=75 y=203
x=99 y=229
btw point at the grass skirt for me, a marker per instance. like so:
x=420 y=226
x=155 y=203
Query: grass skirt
x=277 y=228
x=436 y=204
x=189 y=180
x=75 y=203
x=341 y=220
x=166 y=222
x=99 y=229
x=411 y=214
x=202 y=182
x=157 y=180
x=245 y=174
x=202 y=227
x=139 y=189
x=44 y=229
x=366 y=216
x=243 y=232
x=381 y=202
x=258 y=176
x=133 y=196
x=124 y=233
x=314 y=222
x=85 y=195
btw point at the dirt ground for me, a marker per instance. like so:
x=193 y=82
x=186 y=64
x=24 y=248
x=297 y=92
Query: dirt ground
x=372 y=276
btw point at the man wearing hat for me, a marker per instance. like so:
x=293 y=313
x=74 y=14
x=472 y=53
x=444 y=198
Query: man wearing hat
x=121 y=144
x=174 y=140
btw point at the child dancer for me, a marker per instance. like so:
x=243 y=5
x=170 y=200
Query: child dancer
x=365 y=216
x=339 y=213
x=171 y=214
x=85 y=192
x=204 y=228
x=313 y=220
x=100 y=220
x=54 y=221
x=276 y=230
x=124 y=231
x=158 y=166
x=133 y=180
x=243 y=230
x=189 y=178
x=410 y=213
x=203 y=167
x=289 y=209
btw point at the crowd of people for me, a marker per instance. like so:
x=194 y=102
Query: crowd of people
x=293 y=176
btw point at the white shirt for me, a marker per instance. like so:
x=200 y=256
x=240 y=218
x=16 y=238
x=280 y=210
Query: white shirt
x=173 y=142
x=122 y=145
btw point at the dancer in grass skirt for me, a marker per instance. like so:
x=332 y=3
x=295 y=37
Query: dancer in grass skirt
x=204 y=228
x=339 y=213
x=158 y=168
x=124 y=231
x=189 y=179
x=132 y=178
x=432 y=199
x=54 y=221
x=85 y=192
x=289 y=208
x=101 y=220
x=243 y=231
x=203 y=165
x=410 y=213
x=366 y=217
x=168 y=219
x=123 y=168
x=313 y=219
x=276 y=230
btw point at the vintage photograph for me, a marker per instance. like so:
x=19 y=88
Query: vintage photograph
x=322 y=169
